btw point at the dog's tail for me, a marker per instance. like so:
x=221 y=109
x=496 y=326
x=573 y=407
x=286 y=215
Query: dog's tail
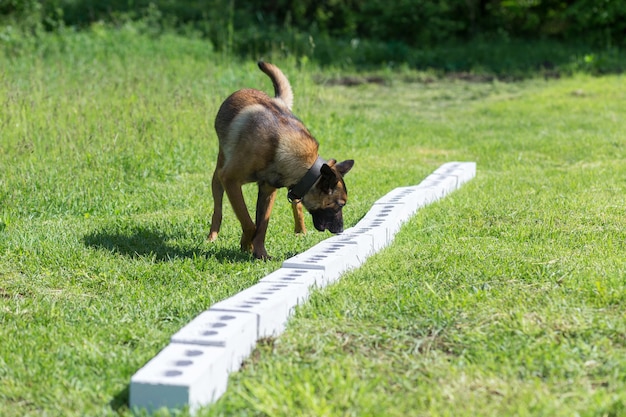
x=282 y=88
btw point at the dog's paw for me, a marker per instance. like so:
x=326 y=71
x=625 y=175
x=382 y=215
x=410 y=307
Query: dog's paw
x=262 y=256
x=246 y=244
x=212 y=237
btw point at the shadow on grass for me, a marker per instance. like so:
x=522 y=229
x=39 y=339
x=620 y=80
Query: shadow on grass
x=141 y=243
x=121 y=399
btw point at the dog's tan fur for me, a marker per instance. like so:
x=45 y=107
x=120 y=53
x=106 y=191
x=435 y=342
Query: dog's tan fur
x=260 y=140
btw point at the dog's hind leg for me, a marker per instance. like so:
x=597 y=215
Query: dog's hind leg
x=264 y=204
x=235 y=195
x=218 y=196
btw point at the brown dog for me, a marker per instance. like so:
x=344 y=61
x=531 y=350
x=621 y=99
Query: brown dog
x=260 y=140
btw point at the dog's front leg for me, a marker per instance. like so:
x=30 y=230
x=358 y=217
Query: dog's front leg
x=264 y=204
x=298 y=217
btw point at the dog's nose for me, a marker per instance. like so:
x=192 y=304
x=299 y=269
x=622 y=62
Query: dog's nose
x=336 y=228
x=328 y=220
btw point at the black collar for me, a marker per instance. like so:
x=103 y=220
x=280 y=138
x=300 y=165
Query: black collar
x=304 y=185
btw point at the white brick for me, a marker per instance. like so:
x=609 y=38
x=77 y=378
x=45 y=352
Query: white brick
x=295 y=276
x=469 y=168
x=180 y=375
x=464 y=171
x=363 y=243
x=401 y=211
x=270 y=302
x=378 y=235
x=449 y=168
x=440 y=185
x=426 y=195
x=411 y=198
x=398 y=213
x=235 y=331
x=385 y=217
x=353 y=256
x=331 y=260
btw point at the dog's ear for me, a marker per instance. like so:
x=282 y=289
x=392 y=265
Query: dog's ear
x=329 y=178
x=344 y=167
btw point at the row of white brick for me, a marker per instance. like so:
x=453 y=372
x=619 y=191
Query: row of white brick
x=193 y=369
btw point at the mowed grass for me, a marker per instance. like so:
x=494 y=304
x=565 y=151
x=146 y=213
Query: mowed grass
x=505 y=298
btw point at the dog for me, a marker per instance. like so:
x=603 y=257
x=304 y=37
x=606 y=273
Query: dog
x=262 y=141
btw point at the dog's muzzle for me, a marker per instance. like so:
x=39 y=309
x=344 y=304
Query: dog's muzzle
x=328 y=219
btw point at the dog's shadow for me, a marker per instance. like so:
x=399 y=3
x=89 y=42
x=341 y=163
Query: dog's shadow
x=121 y=399
x=144 y=242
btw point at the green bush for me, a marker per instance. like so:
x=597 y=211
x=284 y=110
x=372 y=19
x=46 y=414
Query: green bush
x=413 y=22
x=443 y=34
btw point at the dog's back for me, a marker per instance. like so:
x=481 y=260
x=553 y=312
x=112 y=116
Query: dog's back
x=275 y=141
x=243 y=99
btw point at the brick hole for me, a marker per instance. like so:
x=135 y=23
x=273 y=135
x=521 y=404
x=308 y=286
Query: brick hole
x=209 y=333
x=192 y=353
x=186 y=362
x=218 y=325
x=227 y=318
x=172 y=373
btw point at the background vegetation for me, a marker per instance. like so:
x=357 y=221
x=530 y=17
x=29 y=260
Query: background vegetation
x=497 y=36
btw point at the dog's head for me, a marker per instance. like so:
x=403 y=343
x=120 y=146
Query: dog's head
x=328 y=196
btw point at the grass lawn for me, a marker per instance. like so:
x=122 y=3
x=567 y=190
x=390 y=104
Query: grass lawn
x=505 y=298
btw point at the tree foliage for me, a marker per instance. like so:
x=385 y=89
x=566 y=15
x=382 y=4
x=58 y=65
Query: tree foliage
x=412 y=22
x=361 y=32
